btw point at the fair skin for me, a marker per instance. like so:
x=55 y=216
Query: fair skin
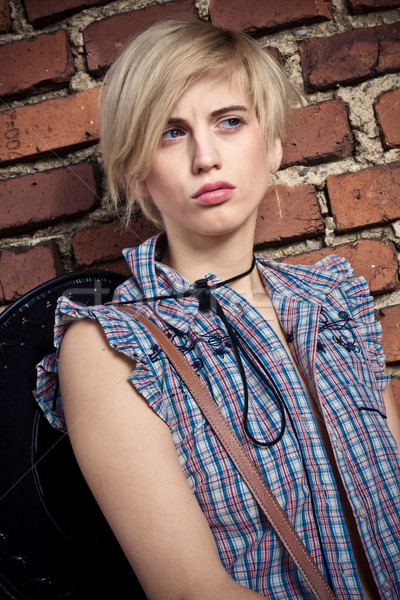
x=124 y=449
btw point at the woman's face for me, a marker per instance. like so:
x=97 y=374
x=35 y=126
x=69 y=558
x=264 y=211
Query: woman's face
x=211 y=170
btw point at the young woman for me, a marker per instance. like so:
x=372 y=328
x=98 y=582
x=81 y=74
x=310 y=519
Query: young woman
x=193 y=118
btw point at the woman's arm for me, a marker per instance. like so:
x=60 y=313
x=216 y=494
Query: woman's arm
x=128 y=458
x=393 y=414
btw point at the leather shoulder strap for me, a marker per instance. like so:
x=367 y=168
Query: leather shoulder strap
x=243 y=462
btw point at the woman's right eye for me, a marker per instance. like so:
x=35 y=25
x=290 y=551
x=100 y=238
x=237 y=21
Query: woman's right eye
x=172 y=133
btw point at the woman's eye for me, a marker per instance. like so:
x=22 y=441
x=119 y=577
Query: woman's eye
x=171 y=134
x=231 y=123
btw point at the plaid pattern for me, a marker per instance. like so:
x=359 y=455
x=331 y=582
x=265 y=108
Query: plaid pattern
x=327 y=316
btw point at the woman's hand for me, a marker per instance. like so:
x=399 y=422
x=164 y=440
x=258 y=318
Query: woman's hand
x=127 y=455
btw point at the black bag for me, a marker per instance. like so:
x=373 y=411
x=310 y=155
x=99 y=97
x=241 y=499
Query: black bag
x=54 y=542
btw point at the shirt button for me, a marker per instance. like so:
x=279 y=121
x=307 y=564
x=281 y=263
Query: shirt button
x=362 y=513
x=386 y=584
x=338 y=445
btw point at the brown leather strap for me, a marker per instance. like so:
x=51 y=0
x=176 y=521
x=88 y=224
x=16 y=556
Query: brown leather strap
x=244 y=464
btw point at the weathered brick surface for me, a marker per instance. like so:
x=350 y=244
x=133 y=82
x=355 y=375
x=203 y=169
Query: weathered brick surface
x=262 y=16
x=36 y=64
x=390 y=320
x=287 y=214
x=274 y=52
x=5 y=17
x=395 y=385
x=375 y=260
x=105 y=38
x=350 y=57
x=42 y=198
x=118 y=265
x=362 y=6
x=60 y=124
x=387 y=108
x=331 y=140
x=39 y=11
x=25 y=267
x=102 y=244
x=364 y=198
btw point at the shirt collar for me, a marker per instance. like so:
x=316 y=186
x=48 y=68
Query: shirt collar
x=151 y=278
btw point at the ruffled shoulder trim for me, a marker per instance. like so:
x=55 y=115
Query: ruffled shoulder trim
x=310 y=282
x=356 y=292
x=123 y=333
x=336 y=265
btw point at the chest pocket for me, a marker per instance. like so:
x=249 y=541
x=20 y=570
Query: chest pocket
x=341 y=351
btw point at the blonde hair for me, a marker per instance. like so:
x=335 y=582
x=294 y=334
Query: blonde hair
x=147 y=79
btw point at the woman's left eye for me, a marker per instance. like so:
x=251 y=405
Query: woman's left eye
x=231 y=123
x=171 y=134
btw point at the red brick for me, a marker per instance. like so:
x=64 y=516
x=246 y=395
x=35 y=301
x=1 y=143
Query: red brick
x=262 y=16
x=350 y=57
x=373 y=259
x=288 y=214
x=40 y=12
x=104 y=243
x=387 y=108
x=358 y=7
x=23 y=268
x=365 y=198
x=105 y=38
x=119 y=265
x=61 y=124
x=274 y=52
x=395 y=386
x=42 y=198
x=36 y=64
x=390 y=320
x=331 y=137
x=5 y=17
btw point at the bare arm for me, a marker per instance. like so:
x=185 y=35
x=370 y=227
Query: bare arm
x=393 y=414
x=128 y=458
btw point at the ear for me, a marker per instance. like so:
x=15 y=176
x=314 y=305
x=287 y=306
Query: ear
x=275 y=156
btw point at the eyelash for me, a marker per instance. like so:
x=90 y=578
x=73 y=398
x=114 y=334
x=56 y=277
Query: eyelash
x=238 y=125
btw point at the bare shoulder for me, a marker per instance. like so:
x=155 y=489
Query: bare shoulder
x=84 y=335
x=85 y=347
x=90 y=370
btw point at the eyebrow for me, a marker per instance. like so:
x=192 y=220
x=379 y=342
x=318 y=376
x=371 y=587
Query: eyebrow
x=215 y=113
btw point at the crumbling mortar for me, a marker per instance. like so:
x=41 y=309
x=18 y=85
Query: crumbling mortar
x=341 y=15
x=393 y=371
x=284 y=251
x=203 y=9
x=56 y=160
x=323 y=202
x=385 y=300
x=20 y=24
x=375 y=18
x=30 y=100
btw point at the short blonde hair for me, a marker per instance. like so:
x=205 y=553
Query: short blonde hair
x=150 y=75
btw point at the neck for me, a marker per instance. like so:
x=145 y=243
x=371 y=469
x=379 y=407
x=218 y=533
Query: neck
x=195 y=255
x=224 y=256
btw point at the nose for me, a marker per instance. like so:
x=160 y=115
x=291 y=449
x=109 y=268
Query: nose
x=206 y=155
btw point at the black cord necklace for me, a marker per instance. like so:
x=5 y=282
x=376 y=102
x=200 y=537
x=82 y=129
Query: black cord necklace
x=202 y=290
x=199 y=284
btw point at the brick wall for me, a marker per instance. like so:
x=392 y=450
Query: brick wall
x=338 y=189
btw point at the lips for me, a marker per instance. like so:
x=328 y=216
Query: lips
x=212 y=193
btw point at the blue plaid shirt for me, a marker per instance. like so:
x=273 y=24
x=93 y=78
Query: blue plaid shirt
x=327 y=317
